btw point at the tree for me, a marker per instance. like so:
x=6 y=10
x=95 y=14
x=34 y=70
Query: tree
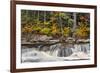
x=55 y=23
x=27 y=31
x=82 y=31
x=46 y=31
x=66 y=32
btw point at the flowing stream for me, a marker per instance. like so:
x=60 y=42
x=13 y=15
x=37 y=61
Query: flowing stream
x=56 y=52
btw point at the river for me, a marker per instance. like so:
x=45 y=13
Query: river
x=55 y=52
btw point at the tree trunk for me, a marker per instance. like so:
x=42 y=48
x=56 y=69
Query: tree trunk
x=74 y=26
x=60 y=21
x=38 y=17
x=44 y=17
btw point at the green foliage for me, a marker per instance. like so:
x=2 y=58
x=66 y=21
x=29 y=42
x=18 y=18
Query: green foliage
x=66 y=31
x=46 y=24
x=70 y=22
x=45 y=31
x=55 y=23
x=55 y=30
x=36 y=28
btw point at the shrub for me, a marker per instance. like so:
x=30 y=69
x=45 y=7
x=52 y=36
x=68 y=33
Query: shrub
x=82 y=31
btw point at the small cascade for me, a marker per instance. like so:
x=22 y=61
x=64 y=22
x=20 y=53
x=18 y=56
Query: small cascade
x=55 y=51
x=58 y=50
x=65 y=52
x=82 y=48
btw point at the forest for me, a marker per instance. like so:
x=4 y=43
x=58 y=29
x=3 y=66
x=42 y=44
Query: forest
x=54 y=36
x=54 y=25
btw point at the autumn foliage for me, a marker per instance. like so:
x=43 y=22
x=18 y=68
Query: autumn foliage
x=55 y=24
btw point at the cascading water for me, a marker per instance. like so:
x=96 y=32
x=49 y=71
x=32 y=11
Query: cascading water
x=55 y=51
x=82 y=48
x=60 y=51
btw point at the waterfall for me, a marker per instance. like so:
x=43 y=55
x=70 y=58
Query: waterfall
x=64 y=52
x=58 y=50
x=55 y=51
x=82 y=48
